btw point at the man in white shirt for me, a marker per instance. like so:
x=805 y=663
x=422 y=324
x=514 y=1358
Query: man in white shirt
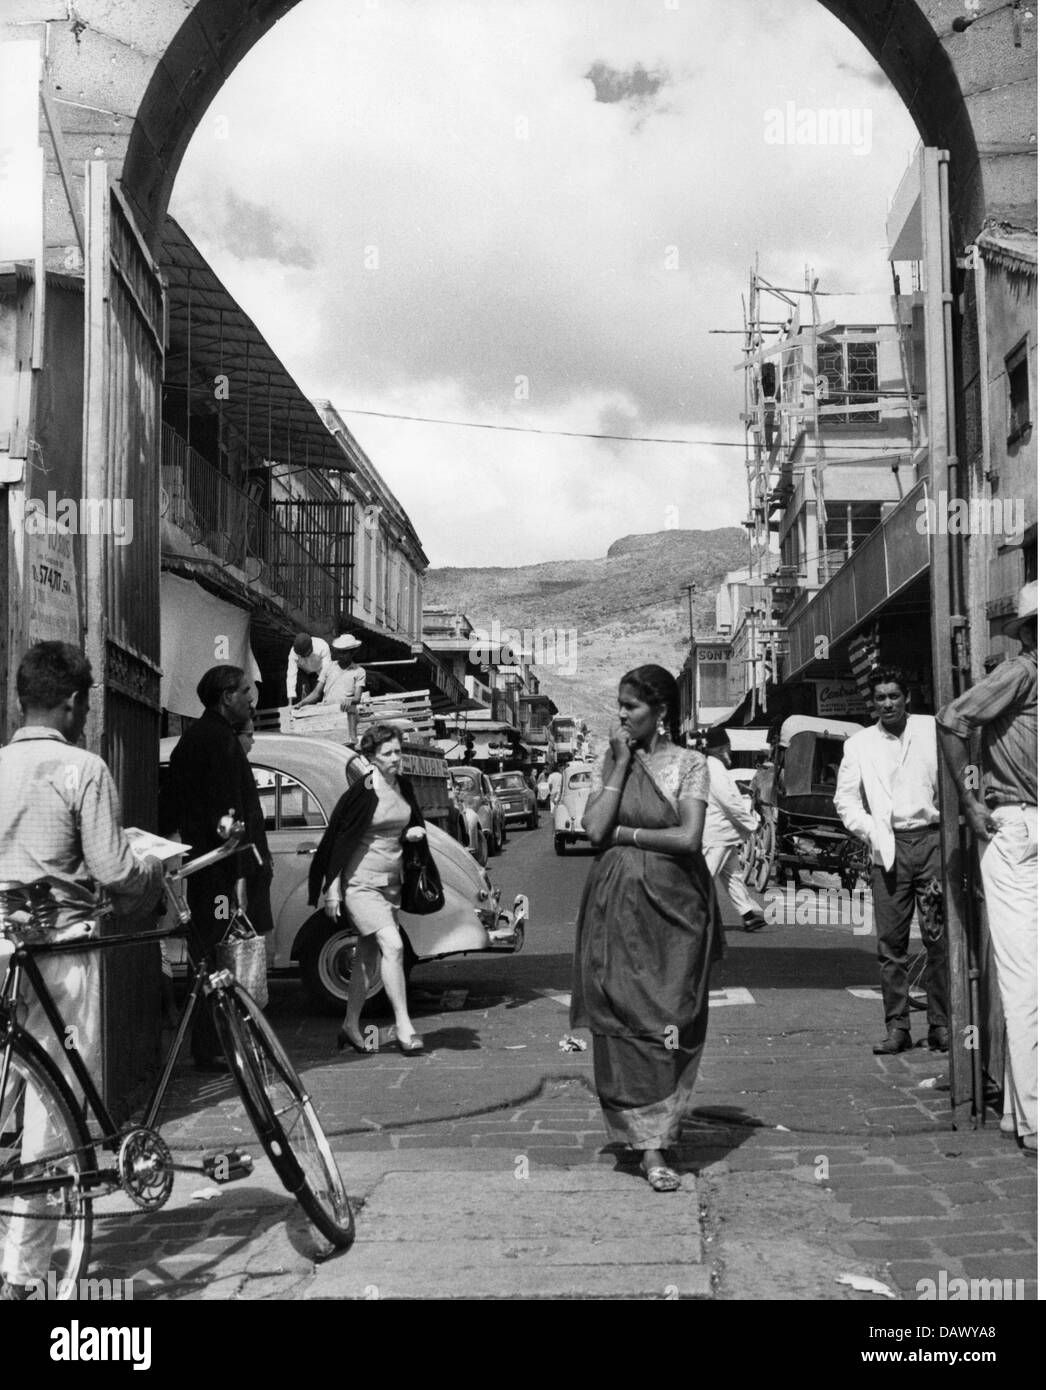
x=728 y=823
x=307 y=664
x=343 y=682
x=887 y=797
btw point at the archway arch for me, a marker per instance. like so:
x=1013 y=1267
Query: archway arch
x=139 y=80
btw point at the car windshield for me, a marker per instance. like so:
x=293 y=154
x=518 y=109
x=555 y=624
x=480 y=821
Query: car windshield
x=509 y=779
x=463 y=781
x=580 y=779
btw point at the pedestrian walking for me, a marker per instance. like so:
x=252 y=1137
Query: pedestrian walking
x=887 y=796
x=306 y=666
x=648 y=927
x=728 y=823
x=343 y=683
x=60 y=821
x=555 y=785
x=209 y=778
x=359 y=866
x=1004 y=708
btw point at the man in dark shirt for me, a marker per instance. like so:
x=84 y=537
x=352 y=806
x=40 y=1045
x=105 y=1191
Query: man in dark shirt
x=210 y=776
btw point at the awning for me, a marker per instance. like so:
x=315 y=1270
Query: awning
x=198 y=631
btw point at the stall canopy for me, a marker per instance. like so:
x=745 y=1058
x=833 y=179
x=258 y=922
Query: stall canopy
x=198 y=631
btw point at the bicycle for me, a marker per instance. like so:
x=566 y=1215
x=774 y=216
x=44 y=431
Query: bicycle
x=52 y=1169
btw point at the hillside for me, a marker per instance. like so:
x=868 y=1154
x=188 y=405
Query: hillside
x=617 y=611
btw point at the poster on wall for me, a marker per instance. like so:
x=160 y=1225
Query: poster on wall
x=51 y=588
x=840 y=700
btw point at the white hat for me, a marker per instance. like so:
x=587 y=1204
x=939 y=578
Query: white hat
x=346 y=643
x=1027 y=608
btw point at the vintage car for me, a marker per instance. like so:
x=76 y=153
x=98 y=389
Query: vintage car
x=519 y=799
x=569 y=806
x=481 y=809
x=300 y=780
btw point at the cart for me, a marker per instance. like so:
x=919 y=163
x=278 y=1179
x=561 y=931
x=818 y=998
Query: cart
x=799 y=828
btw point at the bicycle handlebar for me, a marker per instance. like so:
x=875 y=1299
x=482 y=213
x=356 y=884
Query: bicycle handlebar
x=233 y=845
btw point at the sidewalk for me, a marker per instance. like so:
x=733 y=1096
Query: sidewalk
x=480 y=1170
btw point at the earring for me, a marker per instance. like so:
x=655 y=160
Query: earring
x=661 y=730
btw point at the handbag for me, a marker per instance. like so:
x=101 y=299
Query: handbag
x=242 y=952
x=422 y=890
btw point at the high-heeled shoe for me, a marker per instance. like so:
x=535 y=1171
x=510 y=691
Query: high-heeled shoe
x=409 y=1048
x=345 y=1039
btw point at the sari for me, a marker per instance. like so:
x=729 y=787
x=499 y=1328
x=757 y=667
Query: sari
x=648 y=931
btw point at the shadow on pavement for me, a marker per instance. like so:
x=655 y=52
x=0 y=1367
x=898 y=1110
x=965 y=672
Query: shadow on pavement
x=785 y=967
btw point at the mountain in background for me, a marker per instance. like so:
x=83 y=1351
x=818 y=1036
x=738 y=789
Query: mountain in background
x=625 y=608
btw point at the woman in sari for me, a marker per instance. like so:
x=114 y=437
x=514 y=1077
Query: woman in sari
x=648 y=927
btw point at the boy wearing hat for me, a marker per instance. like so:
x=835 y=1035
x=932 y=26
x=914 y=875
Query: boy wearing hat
x=728 y=823
x=1004 y=707
x=343 y=683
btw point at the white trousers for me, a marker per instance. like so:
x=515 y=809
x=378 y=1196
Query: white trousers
x=75 y=985
x=724 y=862
x=1009 y=874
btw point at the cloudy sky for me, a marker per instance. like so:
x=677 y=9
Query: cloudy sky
x=532 y=214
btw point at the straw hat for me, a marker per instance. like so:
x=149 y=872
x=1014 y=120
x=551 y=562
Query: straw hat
x=1027 y=608
x=346 y=643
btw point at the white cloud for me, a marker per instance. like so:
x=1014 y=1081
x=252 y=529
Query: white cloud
x=524 y=229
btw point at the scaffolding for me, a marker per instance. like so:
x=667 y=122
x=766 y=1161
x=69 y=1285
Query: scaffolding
x=804 y=372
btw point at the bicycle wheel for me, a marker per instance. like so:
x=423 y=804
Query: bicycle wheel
x=46 y=1164
x=283 y=1116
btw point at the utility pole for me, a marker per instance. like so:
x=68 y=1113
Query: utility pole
x=688 y=589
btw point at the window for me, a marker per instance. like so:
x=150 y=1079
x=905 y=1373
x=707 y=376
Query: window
x=847 y=525
x=265 y=781
x=286 y=804
x=299 y=809
x=1019 y=395
x=848 y=375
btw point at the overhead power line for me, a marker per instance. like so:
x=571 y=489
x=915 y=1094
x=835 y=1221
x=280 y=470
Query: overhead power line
x=590 y=434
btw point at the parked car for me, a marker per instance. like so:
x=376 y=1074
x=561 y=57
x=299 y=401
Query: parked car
x=300 y=780
x=569 y=806
x=474 y=794
x=519 y=799
x=465 y=826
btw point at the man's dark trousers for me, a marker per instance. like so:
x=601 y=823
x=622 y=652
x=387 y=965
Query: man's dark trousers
x=306 y=683
x=913 y=881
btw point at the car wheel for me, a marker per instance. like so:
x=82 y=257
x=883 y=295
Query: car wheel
x=560 y=844
x=326 y=959
x=493 y=843
x=480 y=852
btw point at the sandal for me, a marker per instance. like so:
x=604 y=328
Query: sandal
x=663 y=1179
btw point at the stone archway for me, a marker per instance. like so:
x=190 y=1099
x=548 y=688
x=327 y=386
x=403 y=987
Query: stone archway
x=140 y=74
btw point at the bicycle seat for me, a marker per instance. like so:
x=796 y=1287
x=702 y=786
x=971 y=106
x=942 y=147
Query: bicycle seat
x=27 y=908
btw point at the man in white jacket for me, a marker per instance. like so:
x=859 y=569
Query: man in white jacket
x=728 y=823
x=887 y=796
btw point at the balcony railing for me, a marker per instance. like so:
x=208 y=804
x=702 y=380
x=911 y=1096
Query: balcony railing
x=214 y=512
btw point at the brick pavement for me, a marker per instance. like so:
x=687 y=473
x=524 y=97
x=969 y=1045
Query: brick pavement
x=809 y=1159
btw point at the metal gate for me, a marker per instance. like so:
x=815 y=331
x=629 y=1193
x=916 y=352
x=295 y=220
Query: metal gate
x=123 y=370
